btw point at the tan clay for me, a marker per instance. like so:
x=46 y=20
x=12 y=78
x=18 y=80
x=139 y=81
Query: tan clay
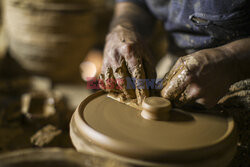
x=156 y=108
x=104 y=126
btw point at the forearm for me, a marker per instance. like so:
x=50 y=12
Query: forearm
x=240 y=52
x=130 y=15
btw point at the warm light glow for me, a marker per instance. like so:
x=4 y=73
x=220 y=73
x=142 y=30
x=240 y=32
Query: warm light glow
x=88 y=70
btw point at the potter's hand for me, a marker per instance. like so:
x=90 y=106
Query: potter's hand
x=202 y=77
x=124 y=56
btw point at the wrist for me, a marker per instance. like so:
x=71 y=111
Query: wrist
x=126 y=32
x=124 y=25
x=121 y=21
x=239 y=52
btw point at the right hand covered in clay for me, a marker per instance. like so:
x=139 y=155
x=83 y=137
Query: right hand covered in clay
x=124 y=56
x=202 y=77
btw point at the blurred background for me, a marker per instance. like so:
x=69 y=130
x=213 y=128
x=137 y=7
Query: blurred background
x=52 y=38
x=48 y=51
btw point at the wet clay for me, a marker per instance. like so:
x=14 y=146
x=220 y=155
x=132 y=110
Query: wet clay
x=120 y=98
x=123 y=56
x=121 y=73
x=141 y=94
x=173 y=81
x=156 y=108
x=131 y=97
x=127 y=133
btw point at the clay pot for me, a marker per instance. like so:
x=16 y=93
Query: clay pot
x=52 y=157
x=106 y=127
x=49 y=37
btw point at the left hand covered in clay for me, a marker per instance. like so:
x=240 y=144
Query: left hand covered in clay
x=202 y=77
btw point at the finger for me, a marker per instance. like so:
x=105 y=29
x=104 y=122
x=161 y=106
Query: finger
x=107 y=77
x=165 y=79
x=137 y=72
x=178 y=80
x=101 y=82
x=121 y=73
x=110 y=83
x=169 y=75
x=175 y=68
x=140 y=84
x=189 y=95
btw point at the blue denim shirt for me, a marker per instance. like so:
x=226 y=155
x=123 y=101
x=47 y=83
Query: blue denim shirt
x=198 y=24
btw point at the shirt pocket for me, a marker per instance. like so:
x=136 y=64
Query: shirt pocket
x=223 y=27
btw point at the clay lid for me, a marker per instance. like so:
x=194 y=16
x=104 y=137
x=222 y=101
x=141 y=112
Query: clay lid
x=121 y=129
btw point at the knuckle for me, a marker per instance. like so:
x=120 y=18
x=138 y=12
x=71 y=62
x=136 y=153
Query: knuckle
x=179 y=61
x=163 y=94
x=126 y=48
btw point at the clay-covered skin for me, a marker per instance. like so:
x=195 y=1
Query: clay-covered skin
x=202 y=77
x=125 y=55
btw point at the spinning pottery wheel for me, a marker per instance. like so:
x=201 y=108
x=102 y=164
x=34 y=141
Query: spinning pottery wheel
x=155 y=136
x=54 y=157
